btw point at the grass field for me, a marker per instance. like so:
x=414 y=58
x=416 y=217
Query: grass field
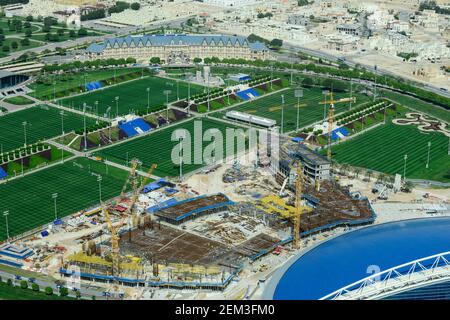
x=42 y=123
x=310 y=110
x=383 y=148
x=17 y=293
x=157 y=148
x=8 y=41
x=29 y=198
x=133 y=95
x=419 y=105
x=19 y=100
x=74 y=80
x=15 y=167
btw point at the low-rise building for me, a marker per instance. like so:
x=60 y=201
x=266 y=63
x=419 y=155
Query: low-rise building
x=178 y=49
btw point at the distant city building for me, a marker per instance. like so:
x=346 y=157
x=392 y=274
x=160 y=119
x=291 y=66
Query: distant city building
x=342 y=43
x=352 y=29
x=299 y=19
x=178 y=49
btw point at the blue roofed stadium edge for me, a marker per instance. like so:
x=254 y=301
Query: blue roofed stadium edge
x=178 y=48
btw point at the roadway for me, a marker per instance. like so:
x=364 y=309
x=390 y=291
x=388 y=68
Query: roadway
x=326 y=56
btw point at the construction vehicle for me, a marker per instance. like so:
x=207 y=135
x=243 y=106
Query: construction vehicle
x=332 y=102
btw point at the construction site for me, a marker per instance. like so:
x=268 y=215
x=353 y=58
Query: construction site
x=218 y=232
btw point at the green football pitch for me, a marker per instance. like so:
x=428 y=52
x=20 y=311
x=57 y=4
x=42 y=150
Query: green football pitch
x=157 y=148
x=58 y=83
x=42 y=122
x=309 y=112
x=133 y=96
x=29 y=199
x=383 y=149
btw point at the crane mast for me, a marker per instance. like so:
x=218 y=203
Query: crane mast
x=298 y=198
x=332 y=102
x=114 y=230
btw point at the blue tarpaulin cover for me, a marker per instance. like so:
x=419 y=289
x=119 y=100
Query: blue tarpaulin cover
x=3 y=174
x=135 y=127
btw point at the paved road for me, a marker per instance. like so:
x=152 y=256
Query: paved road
x=326 y=56
x=87 y=291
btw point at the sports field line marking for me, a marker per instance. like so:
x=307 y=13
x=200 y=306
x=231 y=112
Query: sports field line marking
x=244 y=102
x=38 y=169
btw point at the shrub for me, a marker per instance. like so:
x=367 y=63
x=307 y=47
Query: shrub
x=48 y=291
x=63 y=292
x=24 y=284
x=35 y=287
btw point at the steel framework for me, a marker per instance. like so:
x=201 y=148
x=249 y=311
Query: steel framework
x=404 y=277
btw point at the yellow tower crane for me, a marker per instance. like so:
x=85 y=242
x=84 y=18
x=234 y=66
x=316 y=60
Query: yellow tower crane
x=114 y=230
x=298 y=205
x=130 y=179
x=332 y=102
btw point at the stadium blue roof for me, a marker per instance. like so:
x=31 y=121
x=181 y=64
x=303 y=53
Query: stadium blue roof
x=175 y=39
x=345 y=259
x=342 y=131
x=132 y=128
x=3 y=174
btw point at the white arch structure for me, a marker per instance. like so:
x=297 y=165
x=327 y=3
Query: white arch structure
x=414 y=274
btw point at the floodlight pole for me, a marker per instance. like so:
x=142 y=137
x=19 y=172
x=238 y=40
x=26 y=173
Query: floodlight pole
x=292 y=71
x=298 y=93
x=351 y=93
x=189 y=91
x=178 y=89
x=5 y=214
x=325 y=92
x=96 y=110
x=428 y=158
x=117 y=105
x=62 y=121
x=148 y=99
x=405 y=157
x=85 y=135
x=282 y=113
x=181 y=159
x=55 y=196
x=99 y=179
x=25 y=132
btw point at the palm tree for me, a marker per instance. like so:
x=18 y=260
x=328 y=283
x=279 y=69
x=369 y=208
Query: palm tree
x=357 y=171
x=344 y=168
x=409 y=186
x=369 y=174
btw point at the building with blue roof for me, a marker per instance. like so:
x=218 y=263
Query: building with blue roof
x=178 y=48
x=134 y=127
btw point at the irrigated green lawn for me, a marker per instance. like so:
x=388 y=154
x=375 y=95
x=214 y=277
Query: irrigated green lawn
x=43 y=122
x=29 y=199
x=418 y=105
x=71 y=81
x=157 y=148
x=17 y=293
x=19 y=100
x=310 y=110
x=133 y=95
x=383 y=148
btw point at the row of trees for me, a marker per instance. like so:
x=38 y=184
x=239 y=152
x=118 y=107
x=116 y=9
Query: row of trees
x=94 y=64
x=394 y=83
x=14 y=45
x=92 y=128
x=23 y=151
x=63 y=291
x=432 y=5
